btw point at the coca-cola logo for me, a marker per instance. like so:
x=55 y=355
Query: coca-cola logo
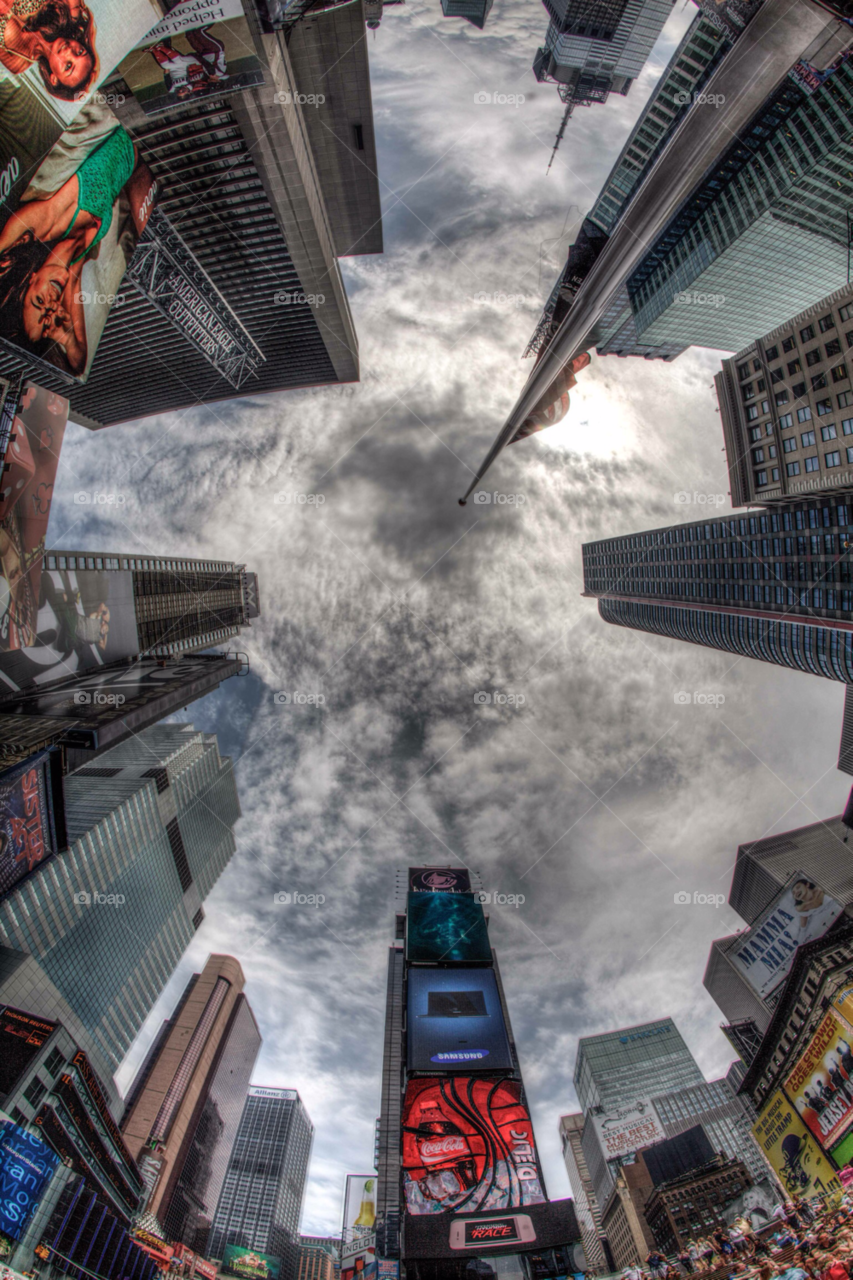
x=441 y=1147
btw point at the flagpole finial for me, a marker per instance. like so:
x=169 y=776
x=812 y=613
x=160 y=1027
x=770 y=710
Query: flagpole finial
x=463 y=502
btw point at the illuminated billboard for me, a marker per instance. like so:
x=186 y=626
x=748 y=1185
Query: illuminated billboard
x=455 y=1021
x=800 y=912
x=359 y=1211
x=446 y=928
x=468 y=1144
x=26 y=1167
x=248 y=1264
x=28 y=830
x=625 y=1129
x=439 y=880
x=794 y=1156
x=21 y=1037
x=820 y=1087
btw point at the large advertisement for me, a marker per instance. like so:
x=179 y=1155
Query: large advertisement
x=26 y=492
x=794 y=1156
x=27 y=828
x=455 y=1021
x=86 y=618
x=21 y=1037
x=729 y=16
x=629 y=1128
x=468 y=1144
x=820 y=1086
x=799 y=913
x=248 y=1264
x=439 y=880
x=359 y=1210
x=201 y=49
x=26 y=1166
x=446 y=928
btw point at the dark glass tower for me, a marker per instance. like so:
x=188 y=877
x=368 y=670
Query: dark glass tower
x=777 y=586
x=261 y=1198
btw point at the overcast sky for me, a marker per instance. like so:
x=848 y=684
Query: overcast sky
x=598 y=797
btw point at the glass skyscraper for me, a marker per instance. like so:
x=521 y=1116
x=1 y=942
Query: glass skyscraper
x=150 y=832
x=620 y=1066
x=777 y=586
x=261 y=1198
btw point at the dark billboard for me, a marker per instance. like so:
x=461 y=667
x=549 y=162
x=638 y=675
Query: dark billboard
x=439 y=880
x=549 y=1228
x=446 y=928
x=455 y=1021
x=21 y=1037
x=467 y=1145
x=28 y=831
x=26 y=1167
x=670 y=1159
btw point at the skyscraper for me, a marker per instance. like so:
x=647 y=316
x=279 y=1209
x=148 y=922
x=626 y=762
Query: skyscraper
x=617 y=1067
x=183 y=1110
x=476 y=11
x=150 y=831
x=261 y=1198
x=777 y=586
x=587 y=1207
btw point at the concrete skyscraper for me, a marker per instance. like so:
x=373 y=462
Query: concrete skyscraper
x=150 y=831
x=183 y=1110
x=261 y=1199
x=777 y=586
x=587 y=1207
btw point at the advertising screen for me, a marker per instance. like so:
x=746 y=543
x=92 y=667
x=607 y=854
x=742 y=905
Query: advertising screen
x=248 y=1264
x=729 y=16
x=25 y=497
x=201 y=49
x=361 y=1265
x=27 y=827
x=794 y=1156
x=439 y=880
x=455 y=1021
x=629 y=1128
x=359 y=1211
x=26 y=1167
x=21 y=1037
x=799 y=913
x=468 y=1144
x=446 y=928
x=820 y=1086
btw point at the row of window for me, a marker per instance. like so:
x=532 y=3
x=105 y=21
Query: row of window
x=810 y=516
x=807 y=334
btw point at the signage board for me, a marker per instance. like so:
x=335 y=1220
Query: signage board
x=28 y=829
x=26 y=1167
x=249 y=1264
x=359 y=1211
x=819 y=1085
x=630 y=1128
x=791 y=1150
x=446 y=928
x=21 y=1037
x=439 y=880
x=455 y=1021
x=800 y=912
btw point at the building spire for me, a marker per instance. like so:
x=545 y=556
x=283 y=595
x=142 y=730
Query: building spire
x=562 y=129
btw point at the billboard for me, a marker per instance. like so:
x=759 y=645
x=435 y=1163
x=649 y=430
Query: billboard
x=26 y=491
x=361 y=1265
x=820 y=1086
x=729 y=16
x=446 y=928
x=551 y=1225
x=26 y=1167
x=359 y=1210
x=468 y=1144
x=800 y=912
x=794 y=1156
x=455 y=1021
x=625 y=1129
x=201 y=49
x=21 y=1037
x=439 y=880
x=248 y=1264
x=27 y=828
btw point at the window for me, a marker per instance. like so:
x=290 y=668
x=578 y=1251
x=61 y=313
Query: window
x=760 y=478
x=775 y=473
x=799 y=390
x=807 y=334
x=776 y=375
x=813 y=357
x=794 y=366
x=846 y=312
x=793 y=468
x=790 y=444
x=788 y=344
x=845 y=399
x=804 y=414
x=748 y=390
x=743 y=371
x=850 y=455
x=818 y=381
x=751 y=412
x=812 y=463
x=758 y=455
x=833 y=348
x=825 y=323
x=781 y=397
x=358 y=135
x=768 y=427
x=54 y=1061
x=786 y=420
x=35 y=1091
x=832 y=459
x=771 y=354
x=828 y=433
x=824 y=407
x=839 y=373
x=755 y=433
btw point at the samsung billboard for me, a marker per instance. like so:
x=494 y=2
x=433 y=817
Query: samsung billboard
x=455 y=1021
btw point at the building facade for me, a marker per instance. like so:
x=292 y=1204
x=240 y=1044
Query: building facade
x=692 y=1205
x=777 y=586
x=786 y=405
x=474 y=11
x=261 y=1199
x=587 y=1207
x=150 y=831
x=182 y=1111
x=319 y=1256
x=617 y=1067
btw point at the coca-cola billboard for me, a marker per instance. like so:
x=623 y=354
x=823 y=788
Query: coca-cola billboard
x=468 y=1145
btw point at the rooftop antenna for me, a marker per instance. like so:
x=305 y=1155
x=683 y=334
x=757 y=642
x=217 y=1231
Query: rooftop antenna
x=560 y=132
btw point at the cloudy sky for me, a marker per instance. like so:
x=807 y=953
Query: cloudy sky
x=592 y=792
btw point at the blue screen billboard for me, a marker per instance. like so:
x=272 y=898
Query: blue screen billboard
x=446 y=928
x=26 y=1167
x=455 y=1021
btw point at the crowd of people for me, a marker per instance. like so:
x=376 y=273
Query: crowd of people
x=820 y=1234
